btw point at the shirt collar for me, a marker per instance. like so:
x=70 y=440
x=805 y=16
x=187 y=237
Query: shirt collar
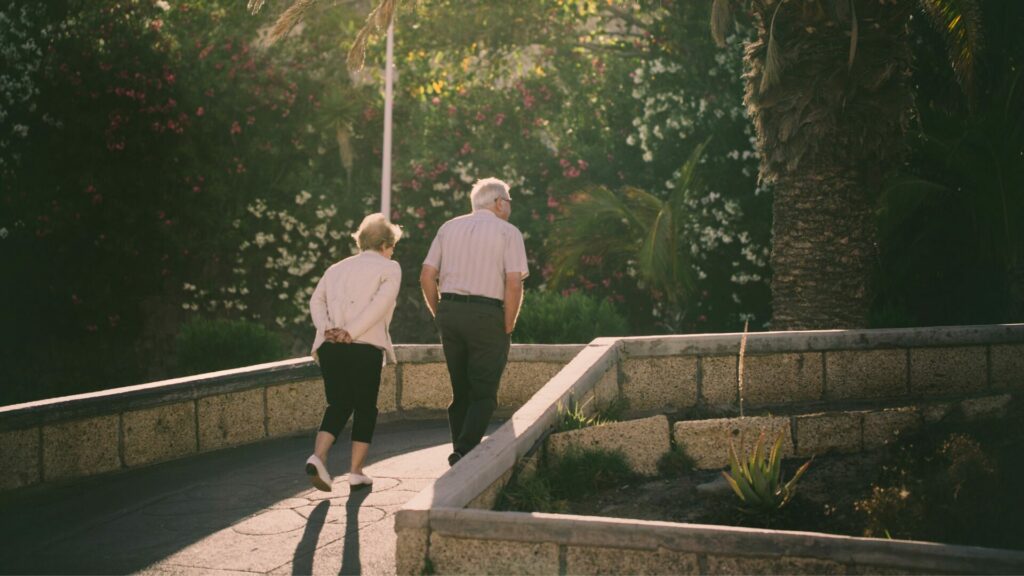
x=485 y=212
x=372 y=254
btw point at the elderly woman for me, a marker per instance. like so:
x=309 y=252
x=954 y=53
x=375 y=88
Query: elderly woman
x=351 y=309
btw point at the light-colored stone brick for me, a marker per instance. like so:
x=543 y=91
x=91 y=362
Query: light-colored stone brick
x=19 y=458
x=522 y=380
x=158 y=434
x=643 y=442
x=470 y=556
x=833 y=432
x=486 y=499
x=719 y=381
x=865 y=374
x=660 y=382
x=295 y=406
x=230 y=419
x=987 y=407
x=411 y=551
x=1007 y=366
x=934 y=412
x=81 y=448
x=607 y=388
x=886 y=426
x=948 y=371
x=707 y=441
x=774 y=565
x=425 y=386
x=387 y=396
x=782 y=378
x=591 y=560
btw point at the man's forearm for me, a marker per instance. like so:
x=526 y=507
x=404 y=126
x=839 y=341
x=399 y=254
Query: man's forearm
x=513 y=301
x=430 y=293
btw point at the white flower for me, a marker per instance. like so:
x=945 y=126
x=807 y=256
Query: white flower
x=302 y=197
x=163 y=5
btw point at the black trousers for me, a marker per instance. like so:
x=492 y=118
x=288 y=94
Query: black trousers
x=351 y=383
x=476 y=351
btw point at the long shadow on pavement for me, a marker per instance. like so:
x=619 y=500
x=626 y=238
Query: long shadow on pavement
x=237 y=509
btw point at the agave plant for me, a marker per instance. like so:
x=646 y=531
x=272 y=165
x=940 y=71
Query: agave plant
x=757 y=480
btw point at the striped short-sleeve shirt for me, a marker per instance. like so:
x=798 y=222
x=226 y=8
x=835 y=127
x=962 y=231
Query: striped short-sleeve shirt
x=474 y=252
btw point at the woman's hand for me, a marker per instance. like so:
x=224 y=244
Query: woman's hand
x=338 y=335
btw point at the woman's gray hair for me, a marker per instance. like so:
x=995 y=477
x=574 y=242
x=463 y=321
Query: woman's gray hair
x=376 y=233
x=486 y=191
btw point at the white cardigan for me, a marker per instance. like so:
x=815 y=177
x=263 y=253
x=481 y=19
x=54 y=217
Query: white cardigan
x=358 y=295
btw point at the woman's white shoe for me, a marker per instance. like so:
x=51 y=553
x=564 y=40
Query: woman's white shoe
x=356 y=480
x=317 y=473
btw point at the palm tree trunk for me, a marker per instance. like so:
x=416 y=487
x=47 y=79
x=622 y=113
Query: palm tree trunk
x=822 y=248
x=829 y=93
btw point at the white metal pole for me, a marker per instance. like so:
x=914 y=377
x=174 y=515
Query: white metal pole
x=385 y=181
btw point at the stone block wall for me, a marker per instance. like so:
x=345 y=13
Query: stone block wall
x=111 y=430
x=822 y=391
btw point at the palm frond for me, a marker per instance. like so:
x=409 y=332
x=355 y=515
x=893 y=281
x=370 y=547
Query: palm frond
x=960 y=23
x=255 y=6
x=379 y=19
x=721 y=19
x=288 y=19
x=772 y=72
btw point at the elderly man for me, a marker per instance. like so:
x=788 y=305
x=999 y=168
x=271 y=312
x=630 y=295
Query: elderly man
x=480 y=260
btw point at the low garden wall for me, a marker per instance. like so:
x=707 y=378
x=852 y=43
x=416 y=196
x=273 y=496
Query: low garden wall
x=111 y=430
x=825 y=391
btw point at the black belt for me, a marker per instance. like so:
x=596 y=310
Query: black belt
x=470 y=298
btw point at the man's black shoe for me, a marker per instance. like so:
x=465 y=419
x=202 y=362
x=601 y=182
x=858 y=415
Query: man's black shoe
x=454 y=457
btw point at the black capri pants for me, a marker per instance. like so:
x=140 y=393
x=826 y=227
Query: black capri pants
x=351 y=382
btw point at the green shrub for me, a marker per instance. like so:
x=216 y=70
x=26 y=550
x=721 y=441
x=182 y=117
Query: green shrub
x=580 y=473
x=574 y=417
x=210 y=345
x=954 y=481
x=550 y=318
x=532 y=494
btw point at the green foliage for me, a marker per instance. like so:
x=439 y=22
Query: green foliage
x=530 y=494
x=757 y=480
x=954 y=481
x=210 y=345
x=577 y=474
x=581 y=473
x=574 y=416
x=552 y=318
x=676 y=462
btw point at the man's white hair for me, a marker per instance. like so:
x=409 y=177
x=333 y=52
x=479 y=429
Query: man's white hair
x=486 y=191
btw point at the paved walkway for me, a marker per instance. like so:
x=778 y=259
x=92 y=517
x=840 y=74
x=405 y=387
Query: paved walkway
x=244 y=510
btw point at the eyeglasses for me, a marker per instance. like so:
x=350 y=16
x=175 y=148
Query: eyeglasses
x=509 y=200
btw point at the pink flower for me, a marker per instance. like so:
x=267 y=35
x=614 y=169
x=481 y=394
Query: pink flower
x=200 y=111
x=499 y=119
x=236 y=128
x=480 y=117
x=466 y=149
x=552 y=203
x=435 y=100
x=156 y=24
